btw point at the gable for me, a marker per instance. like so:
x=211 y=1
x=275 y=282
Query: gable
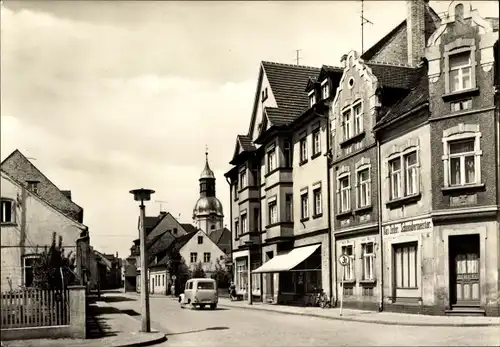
x=263 y=85
x=17 y=166
x=167 y=223
x=207 y=246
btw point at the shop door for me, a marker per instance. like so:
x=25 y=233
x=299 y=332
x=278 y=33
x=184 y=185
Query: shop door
x=464 y=270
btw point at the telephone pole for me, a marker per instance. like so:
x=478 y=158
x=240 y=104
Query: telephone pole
x=363 y=22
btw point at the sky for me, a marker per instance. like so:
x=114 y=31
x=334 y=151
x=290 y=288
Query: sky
x=109 y=96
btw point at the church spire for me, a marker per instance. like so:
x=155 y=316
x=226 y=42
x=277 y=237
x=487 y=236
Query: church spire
x=207 y=172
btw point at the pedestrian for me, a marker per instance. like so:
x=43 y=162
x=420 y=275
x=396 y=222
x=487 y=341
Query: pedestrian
x=232 y=291
x=172 y=290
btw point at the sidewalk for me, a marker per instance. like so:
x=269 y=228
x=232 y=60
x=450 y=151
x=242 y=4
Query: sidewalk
x=108 y=327
x=385 y=318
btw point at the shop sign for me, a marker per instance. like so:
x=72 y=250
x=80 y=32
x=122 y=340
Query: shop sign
x=416 y=225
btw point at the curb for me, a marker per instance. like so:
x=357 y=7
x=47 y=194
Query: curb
x=151 y=342
x=463 y=325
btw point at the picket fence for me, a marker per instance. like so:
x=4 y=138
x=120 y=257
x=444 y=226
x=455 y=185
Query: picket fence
x=34 y=308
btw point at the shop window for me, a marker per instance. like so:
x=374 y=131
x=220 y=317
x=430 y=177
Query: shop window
x=405 y=265
x=241 y=276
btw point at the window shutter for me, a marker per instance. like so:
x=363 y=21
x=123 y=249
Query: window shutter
x=13 y=212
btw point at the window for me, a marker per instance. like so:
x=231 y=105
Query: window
x=405 y=265
x=200 y=240
x=206 y=285
x=8 y=211
x=304 y=205
x=241 y=276
x=462 y=162
x=364 y=198
x=346 y=124
x=273 y=212
x=28 y=273
x=317 y=201
x=411 y=174
x=358 y=118
x=312 y=99
x=395 y=176
x=194 y=257
x=316 y=145
x=348 y=291
x=175 y=231
x=236 y=190
x=237 y=228
x=264 y=95
x=368 y=261
x=349 y=269
x=244 y=224
x=345 y=194
x=33 y=186
x=325 y=89
x=162 y=280
x=256 y=219
x=206 y=257
x=460 y=71
x=243 y=179
x=303 y=150
x=287 y=152
x=271 y=160
x=255 y=278
x=461 y=105
x=288 y=207
x=212 y=227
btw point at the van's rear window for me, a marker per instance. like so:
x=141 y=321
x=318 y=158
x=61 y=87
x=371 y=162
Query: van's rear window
x=206 y=285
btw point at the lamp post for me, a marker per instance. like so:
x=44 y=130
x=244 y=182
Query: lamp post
x=143 y=195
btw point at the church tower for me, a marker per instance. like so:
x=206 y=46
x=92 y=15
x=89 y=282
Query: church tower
x=207 y=213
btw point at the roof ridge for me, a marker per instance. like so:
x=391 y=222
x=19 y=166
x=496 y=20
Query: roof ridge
x=374 y=62
x=290 y=65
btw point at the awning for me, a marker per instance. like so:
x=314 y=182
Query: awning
x=286 y=262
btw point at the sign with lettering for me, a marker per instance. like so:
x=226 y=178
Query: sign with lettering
x=397 y=228
x=344 y=260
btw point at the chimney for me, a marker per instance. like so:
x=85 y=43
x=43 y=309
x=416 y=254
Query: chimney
x=415 y=30
x=162 y=213
x=67 y=193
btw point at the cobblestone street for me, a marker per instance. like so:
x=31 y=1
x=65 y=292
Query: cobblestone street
x=240 y=327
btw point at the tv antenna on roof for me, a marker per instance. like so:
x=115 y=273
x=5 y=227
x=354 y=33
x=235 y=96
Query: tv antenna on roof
x=161 y=202
x=363 y=22
x=298 y=56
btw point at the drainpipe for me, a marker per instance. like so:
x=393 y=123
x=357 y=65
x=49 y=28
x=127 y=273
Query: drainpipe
x=381 y=245
x=230 y=224
x=329 y=214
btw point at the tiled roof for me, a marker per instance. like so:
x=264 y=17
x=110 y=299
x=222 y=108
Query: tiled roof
x=188 y=227
x=394 y=76
x=288 y=83
x=281 y=116
x=176 y=245
x=329 y=69
x=222 y=238
x=161 y=243
x=417 y=96
x=246 y=143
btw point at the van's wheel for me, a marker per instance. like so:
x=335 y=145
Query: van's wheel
x=202 y=306
x=213 y=306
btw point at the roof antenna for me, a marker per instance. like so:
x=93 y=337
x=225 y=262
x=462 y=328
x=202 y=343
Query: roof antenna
x=298 y=56
x=363 y=22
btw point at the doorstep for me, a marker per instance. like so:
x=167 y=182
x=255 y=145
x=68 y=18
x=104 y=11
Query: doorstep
x=384 y=318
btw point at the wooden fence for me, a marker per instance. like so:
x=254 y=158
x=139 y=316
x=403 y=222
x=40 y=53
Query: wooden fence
x=34 y=308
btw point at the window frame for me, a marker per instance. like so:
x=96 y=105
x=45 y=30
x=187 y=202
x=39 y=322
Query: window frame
x=317 y=202
x=272 y=206
x=460 y=70
x=395 y=173
x=370 y=258
x=460 y=133
x=354 y=123
x=244 y=223
x=346 y=124
x=312 y=98
x=200 y=238
x=351 y=268
x=316 y=142
x=32 y=186
x=304 y=205
x=237 y=227
x=341 y=190
x=288 y=207
x=360 y=184
x=325 y=89
x=10 y=205
x=288 y=153
x=458 y=46
x=271 y=159
x=401 y=246
x=24 y=267
x=193 y=255
x=205 y=254
x=303 y=149
x=243 y=177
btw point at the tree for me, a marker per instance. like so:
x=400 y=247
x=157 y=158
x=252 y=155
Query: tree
x=54 y=269
x=197 y=271
x=177 y=266
x=221 y=275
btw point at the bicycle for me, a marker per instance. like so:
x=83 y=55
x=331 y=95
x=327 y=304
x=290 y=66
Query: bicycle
x=323 y=300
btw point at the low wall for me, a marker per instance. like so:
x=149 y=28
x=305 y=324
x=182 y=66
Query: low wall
x=76 y=328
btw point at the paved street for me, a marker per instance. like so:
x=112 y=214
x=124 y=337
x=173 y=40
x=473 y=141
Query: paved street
x=239 y=327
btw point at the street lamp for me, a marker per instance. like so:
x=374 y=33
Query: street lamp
x=143 y=195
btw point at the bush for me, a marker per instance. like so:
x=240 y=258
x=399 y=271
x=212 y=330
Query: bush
x=221 y=275
x=197 y=271
x=176 y=265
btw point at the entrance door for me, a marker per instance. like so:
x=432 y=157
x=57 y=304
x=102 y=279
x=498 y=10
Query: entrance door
x=269 y=280
x=464 y=270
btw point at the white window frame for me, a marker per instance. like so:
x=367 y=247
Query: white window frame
x=405 y=260
x=243 y=178
x=316 y=142
x=193 y=257
x=462 y=132
x=244 y=223
x=237 y=229
x=358 y=117
x=411 y=170
x=460 y=69
x=206 y=257
x=368 y=261
x=346 y=123
x=271 y=159
x=241 y=275
x=24 y=258
x=344 y=193
x=272 y=208
x=360 y=184
x=304 y=205
x=318 y=203
x=303 y=149
x=461 y=105
x=312 y=98
x=460 y=45
x=325 y=89
x=8 y=205
x=289 y=209
x=33 y=186
x=349 y=271
x=395 y=174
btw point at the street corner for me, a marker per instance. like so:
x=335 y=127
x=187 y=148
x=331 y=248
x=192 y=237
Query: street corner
x=142 y=339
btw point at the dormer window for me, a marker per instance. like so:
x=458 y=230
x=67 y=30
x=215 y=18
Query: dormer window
x=33 y=186
x=460 y=71
x=325 y=89
x=264 y=95
x=312 y=98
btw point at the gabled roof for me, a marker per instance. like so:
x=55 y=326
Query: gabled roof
x=5 y=175
x=47 y=197
x=394 y=76
x=243 y=143
x=327 y=70
x=288 y=83
x=418 y=96
x=189 y=228
x=222 y=238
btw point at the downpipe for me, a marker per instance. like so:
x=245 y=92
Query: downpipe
x=380 y=241
x=329 y=214
x=231 y=200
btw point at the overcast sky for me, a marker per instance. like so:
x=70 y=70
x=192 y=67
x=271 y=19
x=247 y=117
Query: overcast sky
x=109 y=96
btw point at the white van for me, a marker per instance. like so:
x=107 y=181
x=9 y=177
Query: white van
x=200 y=292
